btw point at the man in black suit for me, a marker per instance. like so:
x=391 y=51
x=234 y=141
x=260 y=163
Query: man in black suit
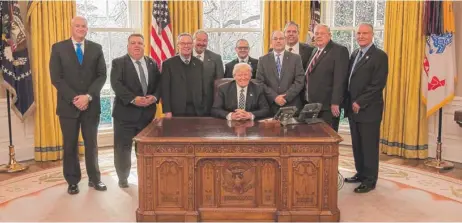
x=78 y=72
x=135 y=80
x=242 y=51
x=364 y=106
x=291 y=32
x=326 y=74
x=240 y=99
x=182 y=82
x=281 y=74
x=213 y=67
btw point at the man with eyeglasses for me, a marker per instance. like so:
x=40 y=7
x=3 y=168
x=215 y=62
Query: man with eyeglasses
x=182 y=82
x=242 y=51
x=281 y=74
x=326 y=75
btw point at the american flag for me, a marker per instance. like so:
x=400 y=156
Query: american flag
x=161 y=33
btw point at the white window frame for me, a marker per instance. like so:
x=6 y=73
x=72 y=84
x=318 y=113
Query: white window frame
x=135 y=14
x=241 y=30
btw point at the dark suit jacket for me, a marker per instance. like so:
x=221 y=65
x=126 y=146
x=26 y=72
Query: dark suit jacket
x=291 y=82
x=226 y=101
x=213 y=70
x=230 y=66
x=367 y=82
x=326 y=82
x=305 y=53
x=304 y=50
x=126 y=85
x=174 y=85
x=72 y=79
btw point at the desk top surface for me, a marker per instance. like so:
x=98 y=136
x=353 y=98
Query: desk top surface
x=206 y=129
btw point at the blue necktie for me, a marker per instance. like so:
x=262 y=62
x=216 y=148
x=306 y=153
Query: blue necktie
x=278 y=65
x=79 y=52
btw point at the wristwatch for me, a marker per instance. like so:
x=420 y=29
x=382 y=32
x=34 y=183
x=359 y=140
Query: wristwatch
x=89 y=97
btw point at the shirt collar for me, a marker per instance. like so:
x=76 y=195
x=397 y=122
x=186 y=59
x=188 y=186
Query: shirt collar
x=75 y=42
x=365 y=49
x=282 y=53
x=245 y=59
x=184 y=58
x=295 y=47
x=134 y=61
x=239 y=88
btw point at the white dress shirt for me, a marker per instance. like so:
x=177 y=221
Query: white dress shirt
x=201 y=55
x=281 y=56
x=82 y=46
x=245 y=60
x=295 y=48
x=238 y=88
x=144 y=66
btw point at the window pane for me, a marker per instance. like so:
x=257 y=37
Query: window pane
x=224 y=44
x=103 y=39
x=104 y=14
x=343 y=13
x=106 y=112
x=364 y=12
x=343 y=37
x=119 y=41
x=378 y=39
x=380 y=20
x=231 y=14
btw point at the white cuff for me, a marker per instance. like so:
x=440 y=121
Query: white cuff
x=228 y=117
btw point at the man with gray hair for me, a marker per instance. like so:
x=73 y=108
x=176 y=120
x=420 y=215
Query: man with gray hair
x=242 y=50
x=213 y=66
x=240 y=99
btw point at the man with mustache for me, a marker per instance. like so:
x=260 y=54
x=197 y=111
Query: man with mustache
x=367 y=78
x=326 y=74
x=213 y=66
x=78 y=72
x=135 y=80
x=281 y=74
x=182 y=82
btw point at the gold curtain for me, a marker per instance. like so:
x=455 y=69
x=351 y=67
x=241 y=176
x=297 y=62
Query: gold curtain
x=185 y=17
x=277 y=13
x=49 y=22
x=404 y=130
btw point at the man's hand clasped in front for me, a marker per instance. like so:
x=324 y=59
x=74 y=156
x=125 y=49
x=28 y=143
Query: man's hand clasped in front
x=81 y=102
x=144 y=101
x=240 y=114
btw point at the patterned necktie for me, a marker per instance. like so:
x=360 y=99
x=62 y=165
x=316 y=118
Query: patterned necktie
x=313 y=62
x=198 y=56
x=79 y=52
x=241 y=104
x=144 y=85
x=186 y=61
x=278 y=65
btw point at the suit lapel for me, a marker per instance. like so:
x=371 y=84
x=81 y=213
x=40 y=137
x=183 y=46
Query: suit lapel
x=249 y=97
x=323 y=54
x=233 y=95
x=86 y=53
x=72 y=53
x=364 y=59
x=272 y=63
x=150 y=66
x=132 y=70
x=285 y=65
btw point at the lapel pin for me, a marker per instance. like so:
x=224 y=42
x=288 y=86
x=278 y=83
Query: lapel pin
x=325 y=52
x=251 y=95
x=367 y=57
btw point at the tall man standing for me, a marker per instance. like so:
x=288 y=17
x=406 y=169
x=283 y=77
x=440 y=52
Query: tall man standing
x=135 y=80
x=326 y=75
x=367 y=78
x=182 y=82
x=293 y=45
x=281 y=73
x=78 y=71
x=213 y=66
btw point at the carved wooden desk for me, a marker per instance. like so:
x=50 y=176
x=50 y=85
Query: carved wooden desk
x=206 y=169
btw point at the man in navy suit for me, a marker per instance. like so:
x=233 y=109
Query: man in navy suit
x=240 y=99
x=242 y=51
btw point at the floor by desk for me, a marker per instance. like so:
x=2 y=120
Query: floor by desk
x=206 y=169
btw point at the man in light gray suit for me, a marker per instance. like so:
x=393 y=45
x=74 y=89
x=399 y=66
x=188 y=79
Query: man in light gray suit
x=281 y=73
x=213 y=67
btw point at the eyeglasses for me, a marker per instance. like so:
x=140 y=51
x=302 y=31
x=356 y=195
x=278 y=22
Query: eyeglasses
x=280 y=38
x=185 y=44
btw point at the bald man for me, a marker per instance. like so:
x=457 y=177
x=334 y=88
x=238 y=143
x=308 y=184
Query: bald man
x=78 y=72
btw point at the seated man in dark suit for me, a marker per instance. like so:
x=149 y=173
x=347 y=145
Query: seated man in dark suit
x=240 y=99
x=242 y=50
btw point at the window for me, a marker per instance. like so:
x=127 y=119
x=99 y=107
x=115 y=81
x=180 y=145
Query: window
x=110 y=23
x=343 y=17
x=228 y=21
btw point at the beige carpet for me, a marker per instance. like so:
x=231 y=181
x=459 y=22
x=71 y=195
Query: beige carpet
x=402 y=194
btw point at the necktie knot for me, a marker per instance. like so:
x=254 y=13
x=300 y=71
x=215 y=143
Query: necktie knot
x=138 y=62
x=186 y=61
x=242 y=90
x=290 y=49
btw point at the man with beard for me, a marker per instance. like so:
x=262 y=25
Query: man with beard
x=182 y=79
x=213 y=67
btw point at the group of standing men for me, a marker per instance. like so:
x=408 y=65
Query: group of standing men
x=291 y=74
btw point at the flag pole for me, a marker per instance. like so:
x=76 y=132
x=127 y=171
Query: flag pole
x=12 y=166
x=438 y=163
